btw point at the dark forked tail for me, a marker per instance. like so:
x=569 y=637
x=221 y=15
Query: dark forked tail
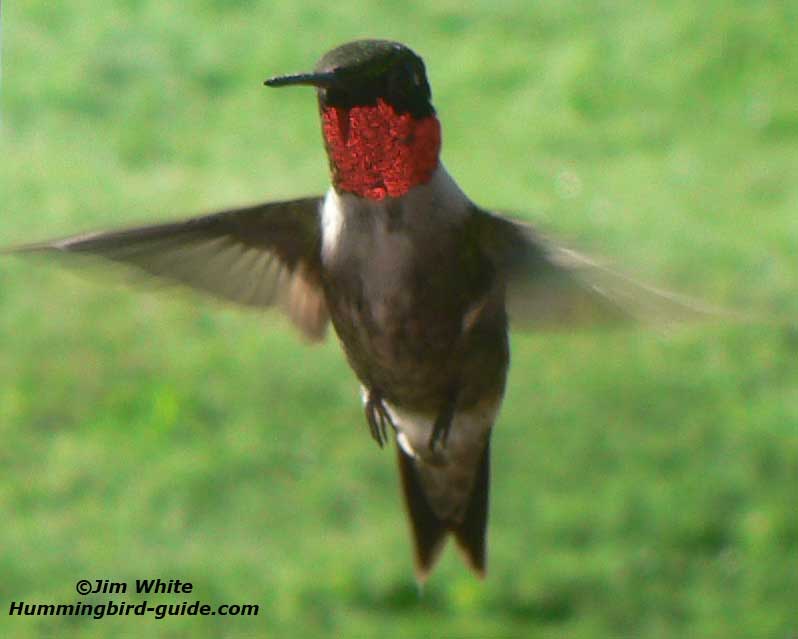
x=430 y=532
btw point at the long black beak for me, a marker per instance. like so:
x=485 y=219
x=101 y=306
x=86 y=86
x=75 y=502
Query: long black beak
x=325 y=80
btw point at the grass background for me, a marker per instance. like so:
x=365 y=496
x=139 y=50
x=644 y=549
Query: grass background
x=644 y=485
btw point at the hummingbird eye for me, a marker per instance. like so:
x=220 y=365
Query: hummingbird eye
x=407 y=78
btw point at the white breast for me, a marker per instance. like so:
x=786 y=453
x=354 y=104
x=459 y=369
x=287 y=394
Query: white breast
x=440 y=196
x=332 y=223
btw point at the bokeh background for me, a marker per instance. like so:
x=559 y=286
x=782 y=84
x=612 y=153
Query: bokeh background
x=644 y=482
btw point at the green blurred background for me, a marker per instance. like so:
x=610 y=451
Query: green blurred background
x=644 y=484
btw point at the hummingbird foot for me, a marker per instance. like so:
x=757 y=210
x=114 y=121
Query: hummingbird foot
x=377 y=417
x=443 y=423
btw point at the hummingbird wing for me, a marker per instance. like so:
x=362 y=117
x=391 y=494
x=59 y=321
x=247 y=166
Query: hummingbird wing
x=549 y=286
x=262 y=255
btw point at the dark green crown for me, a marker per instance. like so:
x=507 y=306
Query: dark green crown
x=360 y=72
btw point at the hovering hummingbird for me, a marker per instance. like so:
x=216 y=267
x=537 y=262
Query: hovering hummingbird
x=417 y=280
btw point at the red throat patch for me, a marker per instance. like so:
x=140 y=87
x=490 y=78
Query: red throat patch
x=376 y=152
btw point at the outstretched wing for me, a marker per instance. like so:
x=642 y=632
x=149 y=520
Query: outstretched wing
x=549 y=286
x=262 y=255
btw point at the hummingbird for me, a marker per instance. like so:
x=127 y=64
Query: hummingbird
x=420 y=284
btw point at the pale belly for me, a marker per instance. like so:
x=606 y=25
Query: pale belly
x=400 y=283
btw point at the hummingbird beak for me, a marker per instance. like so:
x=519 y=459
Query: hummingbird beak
x=323 y=80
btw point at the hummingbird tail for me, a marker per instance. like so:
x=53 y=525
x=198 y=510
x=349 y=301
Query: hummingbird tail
x=430 y=531
x=470 y=534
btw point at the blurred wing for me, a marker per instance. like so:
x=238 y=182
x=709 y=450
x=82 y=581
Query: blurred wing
x=260 y=256
x=553 y=287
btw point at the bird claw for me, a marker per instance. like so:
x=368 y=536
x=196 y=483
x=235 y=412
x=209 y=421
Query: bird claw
x=378 y=418
x=442 y=425
x=440 y=433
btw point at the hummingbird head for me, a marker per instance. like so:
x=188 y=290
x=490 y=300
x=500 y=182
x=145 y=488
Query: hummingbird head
x=379 y=127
